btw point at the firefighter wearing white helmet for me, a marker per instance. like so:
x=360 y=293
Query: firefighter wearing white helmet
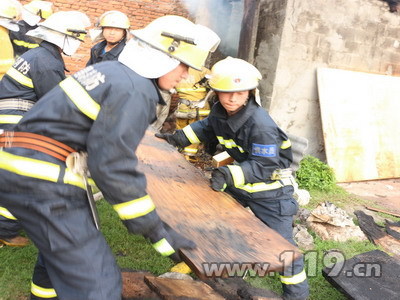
x=103 y=110
x=32 y=14
x=113 y=33
x=31 y=76
x=259 y=178
x=10 y=11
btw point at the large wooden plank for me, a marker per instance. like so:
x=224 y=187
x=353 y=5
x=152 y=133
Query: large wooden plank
x=223 y=230
x=361 y=124
x=370 y=275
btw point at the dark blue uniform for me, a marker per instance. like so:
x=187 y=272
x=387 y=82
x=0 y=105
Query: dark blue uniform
x=32 y=75
x=20 y=41
x=98 y=54
x=259 y=147
x=103 y=109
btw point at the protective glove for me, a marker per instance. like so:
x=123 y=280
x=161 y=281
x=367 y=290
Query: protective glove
x=167 y=241
x=177 y=139
x=218 y=181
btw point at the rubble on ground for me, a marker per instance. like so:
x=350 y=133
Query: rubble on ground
x=332 y=223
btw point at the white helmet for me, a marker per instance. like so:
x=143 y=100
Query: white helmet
x=159 y=47
x=10 y=11
x=66 y=29
x=36 y=10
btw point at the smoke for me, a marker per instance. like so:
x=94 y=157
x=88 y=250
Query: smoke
x=222 y=16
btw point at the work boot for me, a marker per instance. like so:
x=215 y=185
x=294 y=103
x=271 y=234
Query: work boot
x=17 y=241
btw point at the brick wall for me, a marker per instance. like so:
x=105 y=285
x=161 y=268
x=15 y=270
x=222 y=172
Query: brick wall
x=140 y=13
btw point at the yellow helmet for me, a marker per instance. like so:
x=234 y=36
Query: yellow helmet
x=41 y=8
x=181 y=39
x=114 y=18
x=234 y=75
x=10 y=9
x=71 y=23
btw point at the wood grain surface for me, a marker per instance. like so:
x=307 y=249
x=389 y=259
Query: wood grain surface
x=361 y=124
x=223 y=230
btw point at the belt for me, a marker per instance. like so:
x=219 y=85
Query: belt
x=10 y=139
x=16 y=103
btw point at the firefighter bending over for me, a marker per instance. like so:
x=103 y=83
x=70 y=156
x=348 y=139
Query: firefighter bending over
x=32 y=75
x=100 y=114
x=32 y=13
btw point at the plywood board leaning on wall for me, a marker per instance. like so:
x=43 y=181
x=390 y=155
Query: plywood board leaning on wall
x=224 y=231
x=361 y=124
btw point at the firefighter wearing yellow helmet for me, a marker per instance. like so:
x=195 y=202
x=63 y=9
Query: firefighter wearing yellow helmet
x=260 y=177
x=103 y=112
x=10 y=11
x=32 y=13
x=112 y=33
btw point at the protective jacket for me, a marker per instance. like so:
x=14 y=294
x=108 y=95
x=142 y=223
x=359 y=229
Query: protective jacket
x=98 y=54
x=31 y=76
x=256 y=143
x=95 y=112
x=21 y=42
x=86 y=116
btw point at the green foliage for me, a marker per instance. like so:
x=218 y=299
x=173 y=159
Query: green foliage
x=313 y=174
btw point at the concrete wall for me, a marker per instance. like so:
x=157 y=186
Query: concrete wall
x=296 y=37
x=140 y=13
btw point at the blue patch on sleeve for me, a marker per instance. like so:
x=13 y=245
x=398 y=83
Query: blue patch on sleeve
x=264 y=150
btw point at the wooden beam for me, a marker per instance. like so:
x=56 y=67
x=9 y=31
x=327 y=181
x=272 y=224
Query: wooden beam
x=173 y=289
x=224 y=231
x=382 y=211
x=370 y=275
x=376 y=235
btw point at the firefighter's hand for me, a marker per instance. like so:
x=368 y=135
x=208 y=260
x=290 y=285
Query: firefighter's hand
x=169 y=137
x=178 y=241
x=177 y=139
x=167 y=241
x=218 y=181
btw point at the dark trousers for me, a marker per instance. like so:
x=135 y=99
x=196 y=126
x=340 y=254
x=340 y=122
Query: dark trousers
x=74 y=257
x=278 y=215
x=9 y=228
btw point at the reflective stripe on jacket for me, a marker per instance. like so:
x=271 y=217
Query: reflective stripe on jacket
x=31 y=76
x=256 y=143
x=104 y=110
x=20 y=41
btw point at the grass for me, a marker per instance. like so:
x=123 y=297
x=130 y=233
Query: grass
x=134 y=252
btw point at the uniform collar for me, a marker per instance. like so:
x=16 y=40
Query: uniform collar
x=54 y=50
x=160 y=98
x=236 y=121
x=114 y=50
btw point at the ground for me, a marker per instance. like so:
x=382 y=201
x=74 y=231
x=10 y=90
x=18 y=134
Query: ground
x=384 y=194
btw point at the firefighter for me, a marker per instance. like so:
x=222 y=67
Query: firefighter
x=10 y=11
x=96 y=118
x=113 y=35
x=31 y=76
x=192 y=105
x=260 y=178
x=32 y=14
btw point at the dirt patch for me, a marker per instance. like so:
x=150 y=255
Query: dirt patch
x=384 y=194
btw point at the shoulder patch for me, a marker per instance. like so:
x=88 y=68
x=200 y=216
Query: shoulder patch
x=263 y=150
